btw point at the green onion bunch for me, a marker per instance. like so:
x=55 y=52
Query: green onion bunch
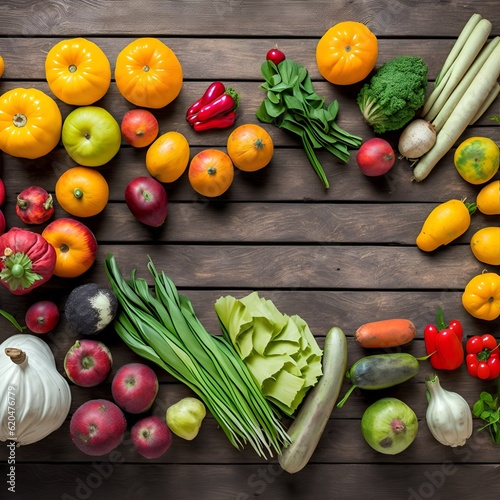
x=160 y=325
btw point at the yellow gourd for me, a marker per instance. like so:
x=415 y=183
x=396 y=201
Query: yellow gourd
x=445 y=223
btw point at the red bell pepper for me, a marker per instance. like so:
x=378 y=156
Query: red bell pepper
x=27 y=260
x=444 y=343
x=483 y=357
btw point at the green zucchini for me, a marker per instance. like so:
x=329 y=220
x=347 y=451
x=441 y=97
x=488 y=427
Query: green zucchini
x=307 y=428
x=381 y=371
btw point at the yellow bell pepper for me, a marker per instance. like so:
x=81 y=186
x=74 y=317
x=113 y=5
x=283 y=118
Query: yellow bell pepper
x=481 y=297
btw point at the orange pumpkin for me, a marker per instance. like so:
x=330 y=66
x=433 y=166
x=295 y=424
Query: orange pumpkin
x=347 y=53
x=148 y=73
x=82 y=191
x=250 y=147
x=211 y=172
x=77 y=71
x=75 y=246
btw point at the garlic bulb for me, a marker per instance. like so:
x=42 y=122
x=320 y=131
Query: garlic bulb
x=448 y=416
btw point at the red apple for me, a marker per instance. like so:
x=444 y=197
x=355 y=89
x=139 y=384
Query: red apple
x=147 y=200
x=97 y=427
x=42 y=316
x=3 y=224
x=2 y=192
x=134 y=387
x=151 y=437
x=375 y=157
x=88 y=363
x=139 y=127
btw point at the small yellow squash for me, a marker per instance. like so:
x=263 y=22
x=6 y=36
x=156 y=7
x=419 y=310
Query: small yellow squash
x=485 y=245
x=445 y=223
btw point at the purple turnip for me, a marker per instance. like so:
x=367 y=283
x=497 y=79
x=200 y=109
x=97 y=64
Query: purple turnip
x=146 y=199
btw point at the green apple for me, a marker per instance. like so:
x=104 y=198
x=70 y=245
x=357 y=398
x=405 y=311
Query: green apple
x=91 y=136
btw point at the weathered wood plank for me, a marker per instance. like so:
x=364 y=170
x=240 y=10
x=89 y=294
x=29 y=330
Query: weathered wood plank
x=227 y=58
x=112 y=477
x=223 y=18
x=298 y=267
x=336 y=223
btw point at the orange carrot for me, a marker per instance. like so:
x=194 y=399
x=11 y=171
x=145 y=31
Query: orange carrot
x=385 y=333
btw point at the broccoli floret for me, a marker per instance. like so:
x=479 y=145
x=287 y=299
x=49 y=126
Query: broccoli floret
x=394 y=94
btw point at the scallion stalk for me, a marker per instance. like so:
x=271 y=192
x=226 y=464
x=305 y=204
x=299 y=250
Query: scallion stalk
x=163 y=328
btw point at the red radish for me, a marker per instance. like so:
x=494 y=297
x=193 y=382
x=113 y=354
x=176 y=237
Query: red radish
x=42 y=316
x=139 y=127
x=375 y=157
x=97 y=427
x=146 y=198
x=88 y=363
x=2 y=192
x=3 y=224
x=151 y=437
x=34 y=205
x=275 y=55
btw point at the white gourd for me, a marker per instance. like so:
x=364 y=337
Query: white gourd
x=40 y=397
x=448 y=416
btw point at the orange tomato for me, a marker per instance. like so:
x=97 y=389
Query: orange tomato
x=347 y=53
x=75 y=246
x=250 y=147
x=82 y=191
x=148 y=73
x=211 y=172
x=2 y=66
x=168 y=157
x=77 y=71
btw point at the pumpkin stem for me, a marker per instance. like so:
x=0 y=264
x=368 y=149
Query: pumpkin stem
x=72 y=68
x=78 y=193
x=17 y=356
x=211 y=170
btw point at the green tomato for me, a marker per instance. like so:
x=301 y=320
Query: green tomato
x=184 y=418
x=91 y=136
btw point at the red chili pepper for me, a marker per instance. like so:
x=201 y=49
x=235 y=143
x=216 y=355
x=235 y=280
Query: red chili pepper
x=213 y=91
x=224 y=103
x=483 y=357
x=220 y=121
x=444 y=344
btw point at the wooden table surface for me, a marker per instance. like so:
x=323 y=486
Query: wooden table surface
x=343 y=256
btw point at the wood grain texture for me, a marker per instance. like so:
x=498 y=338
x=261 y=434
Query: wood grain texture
x=343 y=256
